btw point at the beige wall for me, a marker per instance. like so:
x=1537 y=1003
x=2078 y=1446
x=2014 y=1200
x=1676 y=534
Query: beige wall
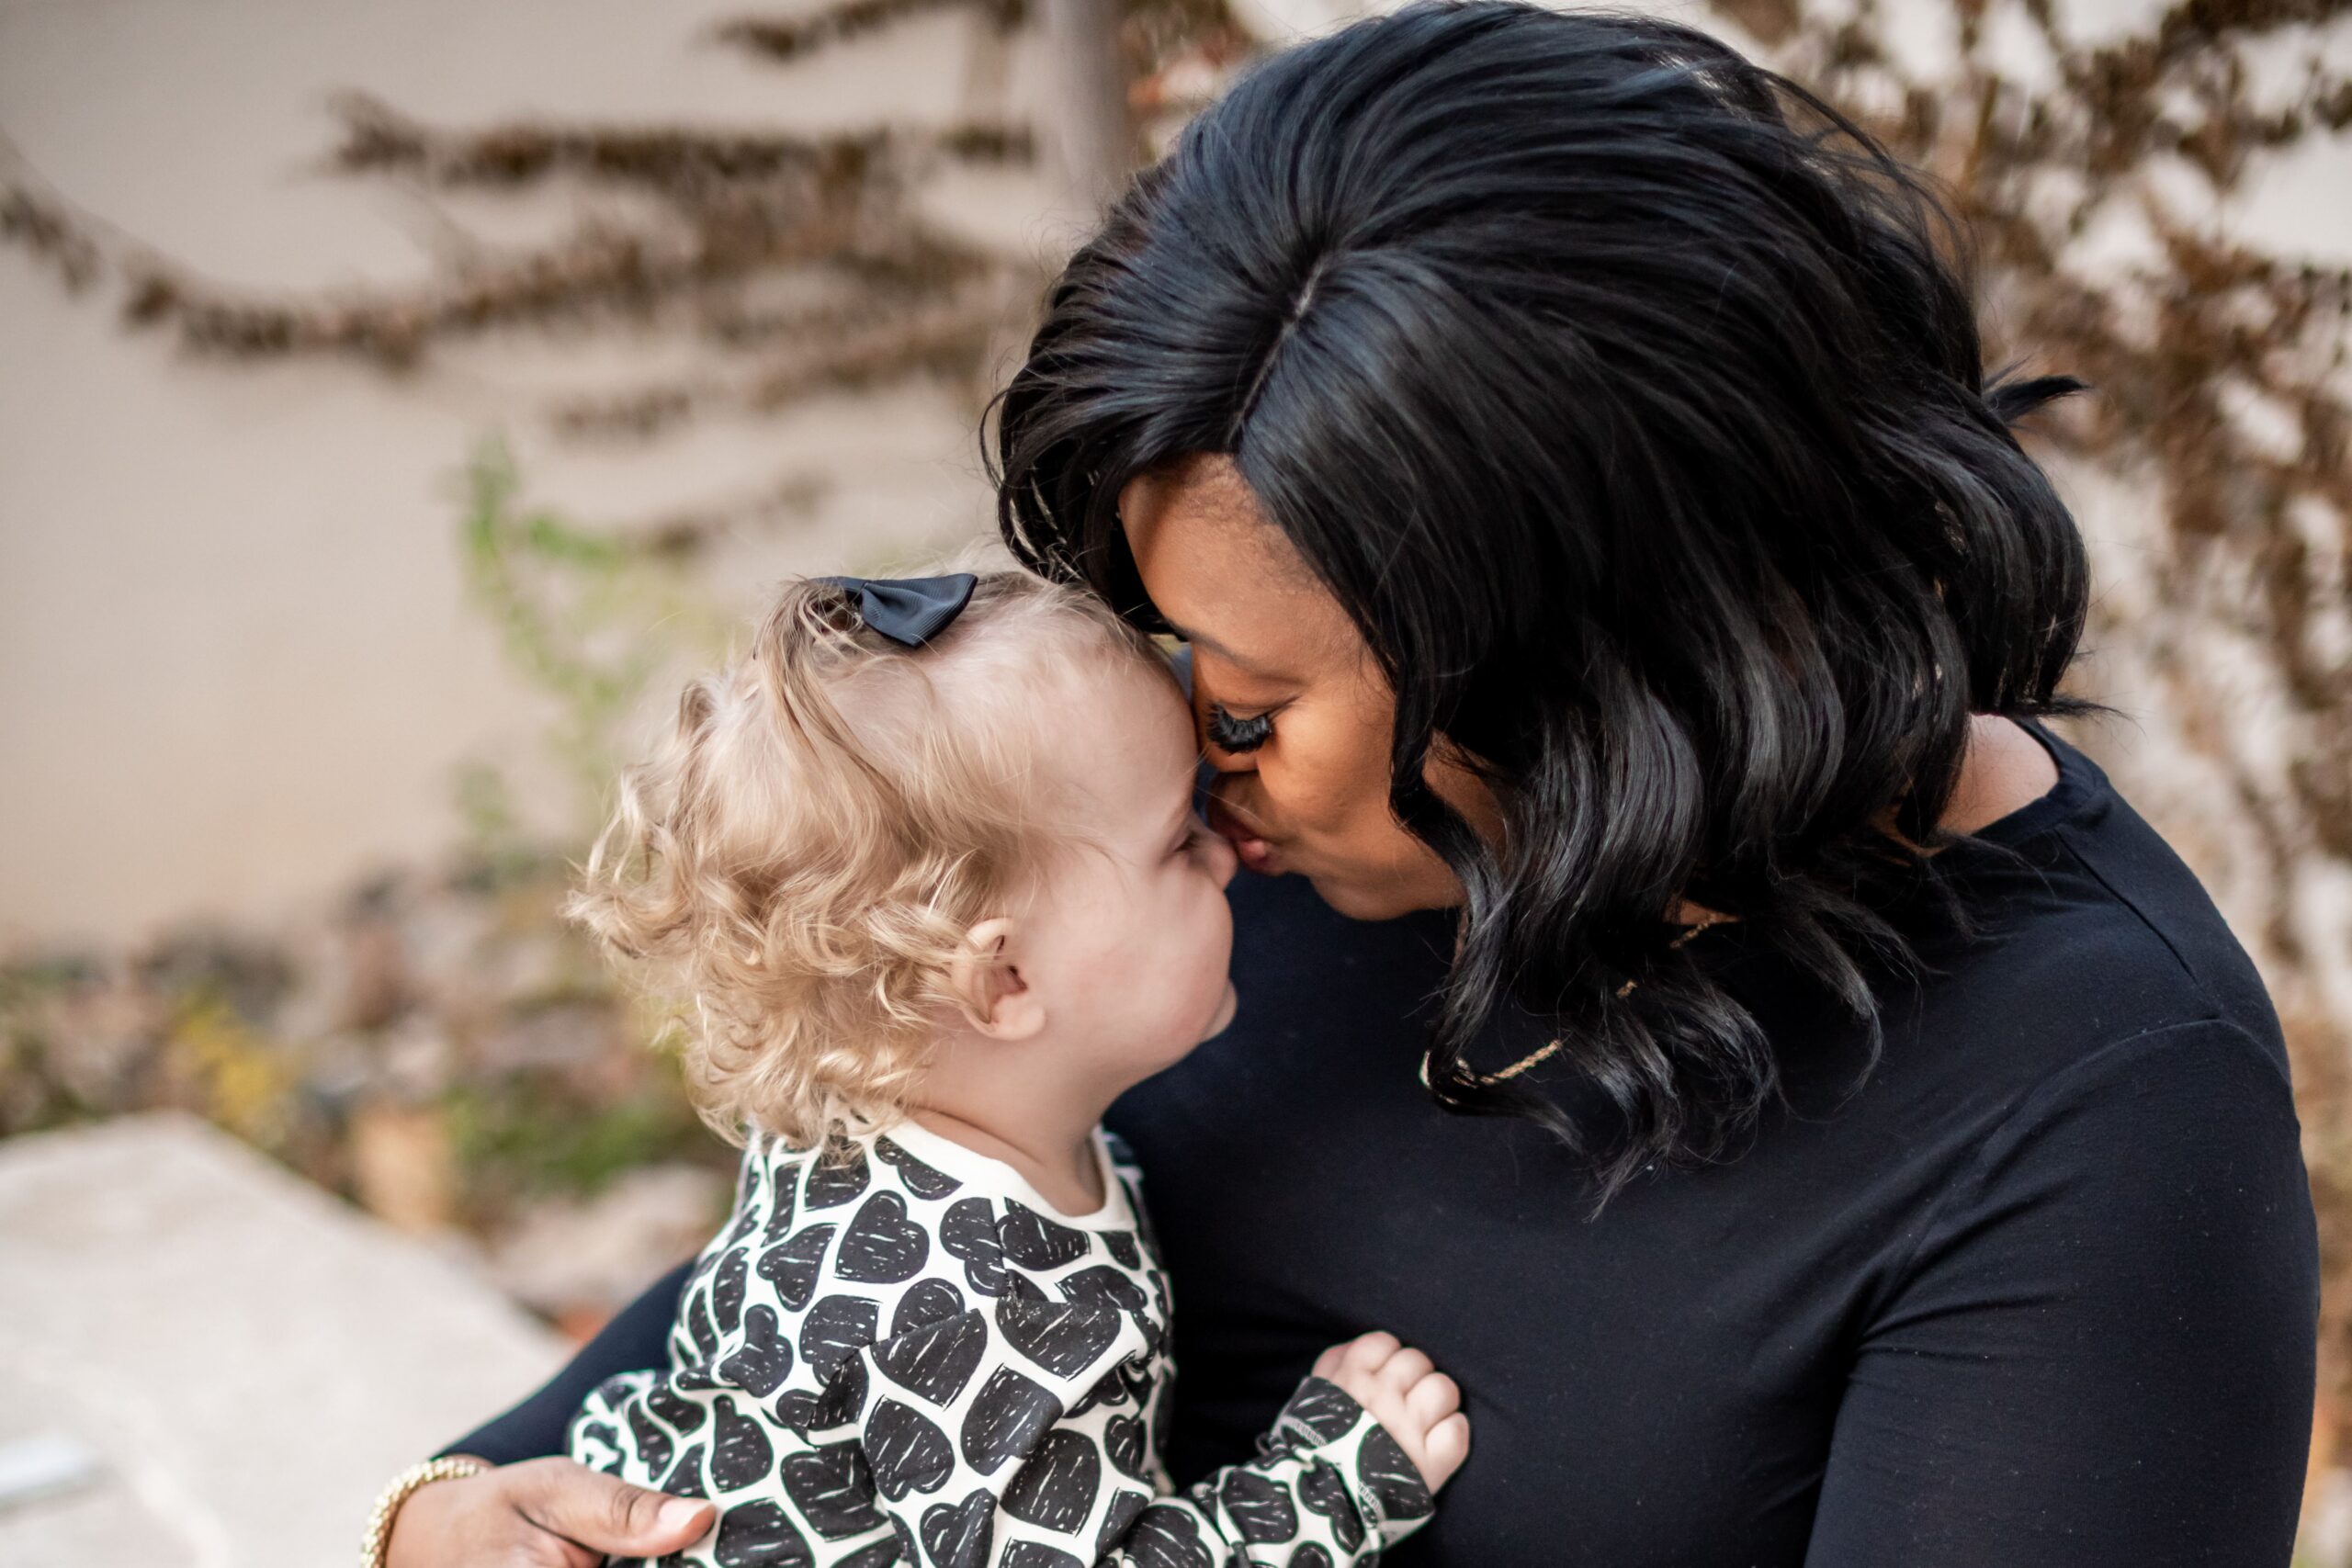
x=235 y=663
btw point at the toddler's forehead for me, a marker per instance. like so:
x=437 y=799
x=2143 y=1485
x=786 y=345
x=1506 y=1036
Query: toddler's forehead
x=1118 y=736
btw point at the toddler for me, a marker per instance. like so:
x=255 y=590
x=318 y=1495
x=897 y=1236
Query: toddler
x=925 y=863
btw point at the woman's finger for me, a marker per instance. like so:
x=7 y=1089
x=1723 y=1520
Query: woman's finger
x=593 y=1510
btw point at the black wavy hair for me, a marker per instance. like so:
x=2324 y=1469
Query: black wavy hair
x=1631 y=401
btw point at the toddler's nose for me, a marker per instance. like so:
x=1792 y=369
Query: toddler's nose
x=1223 y=861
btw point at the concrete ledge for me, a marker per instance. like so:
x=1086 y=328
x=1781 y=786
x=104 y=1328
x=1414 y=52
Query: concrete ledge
x=251 y=1358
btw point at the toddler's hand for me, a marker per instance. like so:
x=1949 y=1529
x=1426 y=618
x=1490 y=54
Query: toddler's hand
x=1419 y=1405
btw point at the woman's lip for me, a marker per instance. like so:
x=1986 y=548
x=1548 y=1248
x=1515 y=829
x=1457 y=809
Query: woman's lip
x=1256 y=854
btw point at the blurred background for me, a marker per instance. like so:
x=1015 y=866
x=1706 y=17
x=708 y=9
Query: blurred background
x=395 y=397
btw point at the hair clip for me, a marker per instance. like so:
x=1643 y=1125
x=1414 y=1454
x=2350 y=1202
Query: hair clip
x=910 y=611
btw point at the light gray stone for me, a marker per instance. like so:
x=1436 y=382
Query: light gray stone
x=251 y=1357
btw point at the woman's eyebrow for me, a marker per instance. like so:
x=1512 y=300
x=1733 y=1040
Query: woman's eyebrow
x=1201 y=639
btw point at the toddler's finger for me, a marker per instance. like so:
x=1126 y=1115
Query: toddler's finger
x=1328 y=1361
x=1448 y=1444
x=1370 y=1351
x=1432 y=1399
x=1405 y=1368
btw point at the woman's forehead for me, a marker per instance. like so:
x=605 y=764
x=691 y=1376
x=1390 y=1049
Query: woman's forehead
x=1220 y=572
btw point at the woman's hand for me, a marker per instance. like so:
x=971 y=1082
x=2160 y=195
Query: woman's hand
x=541 y=1513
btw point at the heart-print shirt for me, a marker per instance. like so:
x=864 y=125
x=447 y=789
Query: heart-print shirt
x=897 y=1352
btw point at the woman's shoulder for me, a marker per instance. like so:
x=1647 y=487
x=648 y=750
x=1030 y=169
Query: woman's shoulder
x=2090 y=931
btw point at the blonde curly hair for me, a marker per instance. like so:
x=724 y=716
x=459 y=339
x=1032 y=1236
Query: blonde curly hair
x=799 y=863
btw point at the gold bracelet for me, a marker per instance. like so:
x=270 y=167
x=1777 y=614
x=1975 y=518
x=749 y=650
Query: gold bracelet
x=387 y=1504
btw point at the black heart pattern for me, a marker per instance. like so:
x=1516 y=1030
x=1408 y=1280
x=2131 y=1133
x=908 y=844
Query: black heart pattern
x=1006 y=1417
x=1063 y=1338
x=653 y=1444
x=881 y=1554
x=920 y=1179
x=1056 y=1487
x=1122 y=1513
x=834 y=1327
x=765 y=1358
x=793 y=1268
x=881 y=1247
x=1037 y=1554
x=683 y=1415
x=1123 y=1440
x=824 y=1484
x=934 y=1300
x=808 y=1412
x=958 y=1537
x=1107 y=1390
x=758 y=1534
x=1323 y=1490
x=1167 y=1537
x=1036 y=1242
x=727 y=1285
x=698 y=1327
x=906 y=1451
x=936 y=1361
x=1322 y=1410
x=739 y=1452
x=1122 y=1247
x=1118 y=1517
x=780 y=1218
x=1389 y=1475
x=968 y=1231
x=684 y=1479
x=802 y=1409
x=1310 y=1555
x=1261 y=1510
x=1102 y=1286
x=835 y=1180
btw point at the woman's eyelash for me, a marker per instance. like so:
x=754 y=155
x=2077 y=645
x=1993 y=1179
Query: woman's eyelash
x=1227 y=733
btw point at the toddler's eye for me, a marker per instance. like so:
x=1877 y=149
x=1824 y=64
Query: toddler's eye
x=1227 y=733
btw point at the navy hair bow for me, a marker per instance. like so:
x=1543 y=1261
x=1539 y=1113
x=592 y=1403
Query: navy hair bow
x=910 y=611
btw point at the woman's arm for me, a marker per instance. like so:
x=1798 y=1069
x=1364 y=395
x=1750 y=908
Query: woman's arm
x=635 y=1341
x=535 y=1511
x=2102 y=1349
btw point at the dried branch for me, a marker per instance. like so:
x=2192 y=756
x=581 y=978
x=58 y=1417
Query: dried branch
x=796 y=38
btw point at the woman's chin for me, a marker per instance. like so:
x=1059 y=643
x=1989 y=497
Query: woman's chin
x=1377 y=899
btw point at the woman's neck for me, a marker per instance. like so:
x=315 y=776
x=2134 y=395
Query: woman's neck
x=2003 y=769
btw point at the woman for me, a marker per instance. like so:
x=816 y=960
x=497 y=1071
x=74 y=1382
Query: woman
x=1608 y=572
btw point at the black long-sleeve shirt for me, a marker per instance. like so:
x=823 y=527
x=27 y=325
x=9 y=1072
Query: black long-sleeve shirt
x=2042 y=1291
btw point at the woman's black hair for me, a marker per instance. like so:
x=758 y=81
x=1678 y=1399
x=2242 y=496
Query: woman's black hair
x=1631 y=401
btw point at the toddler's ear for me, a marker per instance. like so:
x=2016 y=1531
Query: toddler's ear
x=988 y=984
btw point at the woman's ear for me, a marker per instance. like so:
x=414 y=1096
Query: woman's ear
x=989 y=987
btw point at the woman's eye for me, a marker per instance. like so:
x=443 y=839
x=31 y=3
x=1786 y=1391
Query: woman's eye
x=1227 y=733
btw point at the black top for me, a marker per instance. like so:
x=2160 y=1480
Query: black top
x=2042 y=1291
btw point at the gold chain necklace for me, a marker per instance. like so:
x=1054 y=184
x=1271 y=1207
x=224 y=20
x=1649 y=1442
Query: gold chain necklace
x=1545 y=1052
